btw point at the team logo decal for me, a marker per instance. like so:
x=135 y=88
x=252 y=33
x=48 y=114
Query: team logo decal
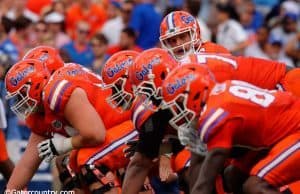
x=118 y=67
x=172 y=87
x=21 y=75
x=187 y=19
x=146 y=68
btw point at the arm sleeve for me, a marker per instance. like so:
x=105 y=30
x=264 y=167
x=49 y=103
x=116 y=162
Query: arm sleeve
x=260 y=72
x=57 y=96
x=223 y=136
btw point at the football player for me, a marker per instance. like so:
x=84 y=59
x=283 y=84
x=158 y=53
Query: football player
x=148 y=76
x=115 y=75
x=232 y=116
x=180 y=35
x=67 y=111
x=6 y=165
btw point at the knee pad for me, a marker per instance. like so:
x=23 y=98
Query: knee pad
x=92 y=174
x=68 y=177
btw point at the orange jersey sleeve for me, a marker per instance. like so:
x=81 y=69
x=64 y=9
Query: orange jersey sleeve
x=210 y=47
x=281 y=165
x=140 y=113
x=57 y=95
x=110 y=152
x=61 y=86
x=260 y=72
x=291 y=81
x=216 y=128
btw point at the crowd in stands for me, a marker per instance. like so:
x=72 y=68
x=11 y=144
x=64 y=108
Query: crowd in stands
x=88 y=32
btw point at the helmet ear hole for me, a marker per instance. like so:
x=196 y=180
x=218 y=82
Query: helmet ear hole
x=197 y=95
x=163 y=75
x=192 y=68
x=37 y=86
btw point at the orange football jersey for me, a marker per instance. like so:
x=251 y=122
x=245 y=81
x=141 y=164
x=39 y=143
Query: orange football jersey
x=56 y=94
x=140 y=113
x=210 y=47
x=238 y=114
x=260 y=72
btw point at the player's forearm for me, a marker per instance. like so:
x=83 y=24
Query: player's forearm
x=17 y=182
x=194 y=169
x=22 y=173
x=204 y=185
x=205 y=182
x=136 y=174
x=211 y=167
x=28 y=164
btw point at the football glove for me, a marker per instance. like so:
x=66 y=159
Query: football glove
x=55 y=146
x=189 y=137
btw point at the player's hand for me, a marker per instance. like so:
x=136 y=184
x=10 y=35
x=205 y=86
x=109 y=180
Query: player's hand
x=190 y=138
x=130 y=150
x=55 y=146
x=165 y=169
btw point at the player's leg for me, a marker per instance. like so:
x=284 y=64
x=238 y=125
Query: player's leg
x=293 y=188
x=98 y=164
x=280 y=167
x=237 y=170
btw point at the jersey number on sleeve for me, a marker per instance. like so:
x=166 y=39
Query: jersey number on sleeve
x=203 y=58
